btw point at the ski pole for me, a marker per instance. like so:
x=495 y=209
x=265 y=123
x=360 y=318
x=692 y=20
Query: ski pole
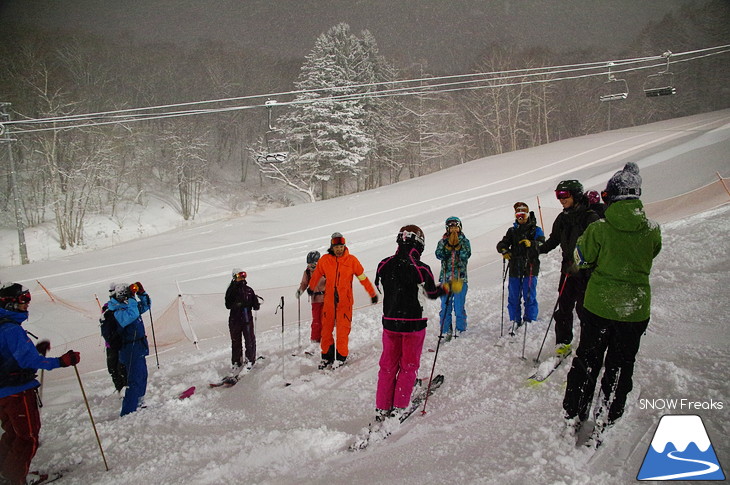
x=299 y=321
x=504 y=278
x=281 y=306
x=539 y=209
x=154 y=340
x=433 y=367
x=91 y=417
x=552 y=315
x=528 y=300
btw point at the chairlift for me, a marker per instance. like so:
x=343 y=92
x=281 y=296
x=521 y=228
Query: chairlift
x=615 y=89
x=660 y=83
x=271 y=156
x=278 y=157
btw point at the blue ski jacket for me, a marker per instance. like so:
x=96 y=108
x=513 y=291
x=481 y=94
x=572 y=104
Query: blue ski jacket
x=129 y=316
x=19 y=359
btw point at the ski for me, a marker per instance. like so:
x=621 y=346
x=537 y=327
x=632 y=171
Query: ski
x=231 y=380
x=187 y=393
x=390 y=425
x=228 y=381
x=546 y=369
x=36 y=478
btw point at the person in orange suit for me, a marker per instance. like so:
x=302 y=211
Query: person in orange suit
x=338 y=267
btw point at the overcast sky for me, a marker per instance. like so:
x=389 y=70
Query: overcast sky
x=446 y=33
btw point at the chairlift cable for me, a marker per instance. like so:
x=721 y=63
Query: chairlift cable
x=132 y=114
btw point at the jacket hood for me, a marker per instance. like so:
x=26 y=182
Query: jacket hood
x=17 y=317
x=114 y=304
x=627 y=215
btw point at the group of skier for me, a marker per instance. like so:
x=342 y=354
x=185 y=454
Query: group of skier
x=606 y=262
x=607 y=255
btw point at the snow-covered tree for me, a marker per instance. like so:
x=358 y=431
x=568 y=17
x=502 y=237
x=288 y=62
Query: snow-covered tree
x=328 y=130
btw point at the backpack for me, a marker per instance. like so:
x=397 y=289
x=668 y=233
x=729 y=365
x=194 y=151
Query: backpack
x=111 y=330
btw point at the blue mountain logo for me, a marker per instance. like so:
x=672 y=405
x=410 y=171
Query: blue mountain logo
x=680 y=450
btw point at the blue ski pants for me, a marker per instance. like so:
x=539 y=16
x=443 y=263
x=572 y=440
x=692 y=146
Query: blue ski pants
x=520 y=289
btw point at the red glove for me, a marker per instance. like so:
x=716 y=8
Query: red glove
x=43 y=347
x=70 y=358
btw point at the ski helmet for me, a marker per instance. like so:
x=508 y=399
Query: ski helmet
x=593 y=197
x=451 y=221
x=121 y=292
x=312 y=257
x=13 y=294
x=569 y=188
x=235 y=272
x=411 y=236
x=521 y=207
x=337 y=239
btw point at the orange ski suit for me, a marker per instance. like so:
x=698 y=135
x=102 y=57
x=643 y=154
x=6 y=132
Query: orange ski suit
x=338 y=273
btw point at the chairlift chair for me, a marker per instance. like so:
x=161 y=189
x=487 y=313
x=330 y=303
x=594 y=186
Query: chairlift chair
x=271 y=156
x=660 y=83
x=615 y=89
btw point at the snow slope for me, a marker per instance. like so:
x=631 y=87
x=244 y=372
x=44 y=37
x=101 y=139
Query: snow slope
x=485 y=425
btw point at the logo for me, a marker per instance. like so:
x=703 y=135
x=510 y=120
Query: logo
x=680 y=449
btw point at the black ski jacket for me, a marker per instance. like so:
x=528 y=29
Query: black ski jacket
x=523 y=261
x=567 y=228
x=403 y=275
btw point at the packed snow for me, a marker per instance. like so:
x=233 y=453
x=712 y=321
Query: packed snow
x=287 y=422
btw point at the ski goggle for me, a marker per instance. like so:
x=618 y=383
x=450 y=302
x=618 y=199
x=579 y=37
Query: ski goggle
x=24 y=297
x=563 y=194
x=241 y=274
x=338 y=241
x=453 y=224
x=133 y=288
x=406 y=235
x=521 y=215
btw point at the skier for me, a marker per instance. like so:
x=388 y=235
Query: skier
x=19 y=362
x=620 y=250
x=568 y=226
x=128 y=311
x=520 y=247
x=454 y=251
x=338 y=266
x=115 y=368
x=316 y=296
x=404 y=276
x=241 y=299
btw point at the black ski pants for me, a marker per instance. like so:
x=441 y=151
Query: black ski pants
x=240 y=326
x=116 y=369
x=603 y=343
x=573 y=290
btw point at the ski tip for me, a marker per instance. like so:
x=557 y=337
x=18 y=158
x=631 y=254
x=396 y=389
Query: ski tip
x=187 y=393
x=533 y=382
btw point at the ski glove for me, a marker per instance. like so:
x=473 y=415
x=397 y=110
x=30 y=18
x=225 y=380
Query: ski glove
x=70 y=358
x=298 y=294
x=526 y=242
x=374 y=299
x=136 y=288
x=457 y=285
x=43 y=347
x=506 y=255
x=454 y=240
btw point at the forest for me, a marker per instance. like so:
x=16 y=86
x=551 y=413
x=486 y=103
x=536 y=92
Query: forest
x=91 y=125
